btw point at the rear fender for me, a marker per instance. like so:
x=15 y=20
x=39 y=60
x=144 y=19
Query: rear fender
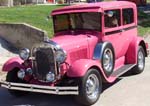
x=131 y=55
x=12 y=63
x=141 y=42
x=80 y=67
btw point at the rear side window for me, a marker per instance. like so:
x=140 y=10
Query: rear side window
x=114 y=21
x=128 y=16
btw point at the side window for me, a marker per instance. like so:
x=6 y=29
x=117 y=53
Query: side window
x=114 y=20
x=128 y=16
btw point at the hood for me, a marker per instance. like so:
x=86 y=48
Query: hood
x=69 y=42
x=77 y=46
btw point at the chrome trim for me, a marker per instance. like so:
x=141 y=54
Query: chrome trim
x=65 y=55
x=108 y=60
x=92 y=87
x=27 y=50
x=54 y=44
x=141 y=60
x=44 y=45
x=98 y=51
x=69 y=90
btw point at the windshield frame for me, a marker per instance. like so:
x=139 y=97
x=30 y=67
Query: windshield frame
x=70 y=28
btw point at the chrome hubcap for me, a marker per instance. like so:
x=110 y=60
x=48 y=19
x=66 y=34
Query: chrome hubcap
x=140 y=60
x=108 y=60
x=92 y=87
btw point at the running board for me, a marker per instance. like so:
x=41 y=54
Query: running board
x=122 y=70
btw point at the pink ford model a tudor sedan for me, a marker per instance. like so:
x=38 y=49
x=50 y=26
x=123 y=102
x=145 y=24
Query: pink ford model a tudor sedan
x=93 y=43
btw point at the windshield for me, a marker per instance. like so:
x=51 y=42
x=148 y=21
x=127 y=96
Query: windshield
x=77 y=21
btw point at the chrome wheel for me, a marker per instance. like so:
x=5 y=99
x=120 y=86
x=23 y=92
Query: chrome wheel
x=139 y=68
x=140 y=60
x=92 y=87
x=108 y=60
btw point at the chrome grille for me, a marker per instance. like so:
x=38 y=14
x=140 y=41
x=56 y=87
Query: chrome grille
x=44 y=62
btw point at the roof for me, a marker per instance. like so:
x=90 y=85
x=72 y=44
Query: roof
x=92 y=6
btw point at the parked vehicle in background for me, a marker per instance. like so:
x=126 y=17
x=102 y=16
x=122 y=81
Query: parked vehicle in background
x=137 y=2
x=93 y=44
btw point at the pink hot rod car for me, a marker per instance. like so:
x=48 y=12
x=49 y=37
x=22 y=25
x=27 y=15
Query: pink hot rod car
x=93 y=44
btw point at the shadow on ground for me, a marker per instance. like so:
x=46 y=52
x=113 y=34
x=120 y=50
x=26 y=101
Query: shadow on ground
x=6 y=47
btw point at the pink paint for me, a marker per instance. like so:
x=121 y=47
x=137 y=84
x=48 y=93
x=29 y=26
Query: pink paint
x=80 y=44
x=12 y=63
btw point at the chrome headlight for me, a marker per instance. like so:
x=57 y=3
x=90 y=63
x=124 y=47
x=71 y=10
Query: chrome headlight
x=60 y=55
x=29 y=71
x=21 y=73
x=24 y=54
x=50 y=77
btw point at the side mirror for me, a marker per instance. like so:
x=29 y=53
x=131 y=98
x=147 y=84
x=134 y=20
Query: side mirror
x=110 y=13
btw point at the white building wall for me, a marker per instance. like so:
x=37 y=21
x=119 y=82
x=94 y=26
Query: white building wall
x=39 y=1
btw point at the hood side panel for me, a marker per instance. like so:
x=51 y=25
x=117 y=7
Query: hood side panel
x=75 y=46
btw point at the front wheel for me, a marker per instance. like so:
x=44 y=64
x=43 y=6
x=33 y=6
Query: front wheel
x=90 y=87
x=139 y=68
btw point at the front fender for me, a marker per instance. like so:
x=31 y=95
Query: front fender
x=99 y=49
x=80 y=67
x=12 y=63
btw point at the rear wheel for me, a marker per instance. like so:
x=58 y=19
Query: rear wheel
x=12 y=77
x=139 y=68
x=90 y=87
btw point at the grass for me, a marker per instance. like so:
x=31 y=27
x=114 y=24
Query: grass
x=144 y=28
x=144 y=25
x=36 y=16
x=33 y=15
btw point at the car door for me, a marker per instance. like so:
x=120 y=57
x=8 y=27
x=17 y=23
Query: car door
x=114 y=32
